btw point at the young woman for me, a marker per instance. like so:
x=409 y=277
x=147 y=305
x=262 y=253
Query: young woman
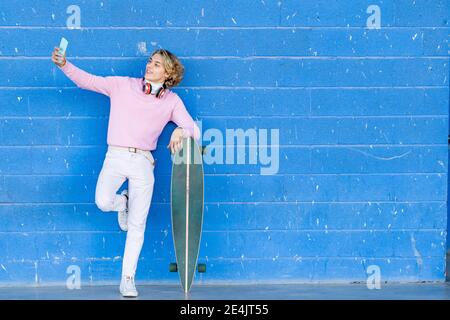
x=140 y=109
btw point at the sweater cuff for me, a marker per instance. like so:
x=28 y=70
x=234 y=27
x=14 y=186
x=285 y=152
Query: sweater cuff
x=65 y=67
x=186 y=132
x=191 y=132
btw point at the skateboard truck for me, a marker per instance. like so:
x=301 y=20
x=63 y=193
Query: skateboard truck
x=201 y=267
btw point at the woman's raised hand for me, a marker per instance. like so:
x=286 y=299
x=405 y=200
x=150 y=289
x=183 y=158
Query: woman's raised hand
x=57 y=58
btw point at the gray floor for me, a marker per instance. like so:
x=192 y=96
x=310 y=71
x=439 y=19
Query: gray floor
x=323 y=291
x=389 y=291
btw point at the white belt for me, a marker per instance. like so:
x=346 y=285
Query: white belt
x=147 y=154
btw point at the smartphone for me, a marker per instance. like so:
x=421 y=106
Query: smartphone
x=63 y=46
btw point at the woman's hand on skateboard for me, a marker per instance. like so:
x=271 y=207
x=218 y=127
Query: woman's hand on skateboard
x=176 y=140
x=58 y=58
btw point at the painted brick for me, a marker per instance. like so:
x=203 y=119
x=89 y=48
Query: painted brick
x=362 y=115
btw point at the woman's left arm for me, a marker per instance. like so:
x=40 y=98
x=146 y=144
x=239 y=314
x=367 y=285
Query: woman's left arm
x=186 y=126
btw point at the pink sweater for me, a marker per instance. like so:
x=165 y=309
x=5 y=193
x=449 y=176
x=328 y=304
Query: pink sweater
x=136 y=119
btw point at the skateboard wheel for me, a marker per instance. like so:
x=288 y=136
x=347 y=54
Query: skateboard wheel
x=201 y=268
x=173 y=267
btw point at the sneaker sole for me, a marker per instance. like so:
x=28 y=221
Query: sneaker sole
x=129 y=295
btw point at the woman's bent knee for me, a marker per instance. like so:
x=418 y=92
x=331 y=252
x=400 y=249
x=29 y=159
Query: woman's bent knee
x=103 y=203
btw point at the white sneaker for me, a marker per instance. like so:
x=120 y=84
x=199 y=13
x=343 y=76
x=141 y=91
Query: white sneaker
x=122 y=216
x=128 y=288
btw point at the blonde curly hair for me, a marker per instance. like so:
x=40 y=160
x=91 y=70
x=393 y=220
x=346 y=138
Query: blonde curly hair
x=172 y=66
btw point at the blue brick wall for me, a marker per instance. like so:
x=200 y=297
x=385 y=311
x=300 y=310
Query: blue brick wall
x=362 y=116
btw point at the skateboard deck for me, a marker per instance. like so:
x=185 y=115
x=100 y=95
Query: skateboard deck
x=187 y=195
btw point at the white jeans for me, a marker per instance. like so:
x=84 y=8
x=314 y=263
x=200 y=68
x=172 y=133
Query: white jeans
x=138 y=169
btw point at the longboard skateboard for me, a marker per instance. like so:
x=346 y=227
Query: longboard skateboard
x=187 y=195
